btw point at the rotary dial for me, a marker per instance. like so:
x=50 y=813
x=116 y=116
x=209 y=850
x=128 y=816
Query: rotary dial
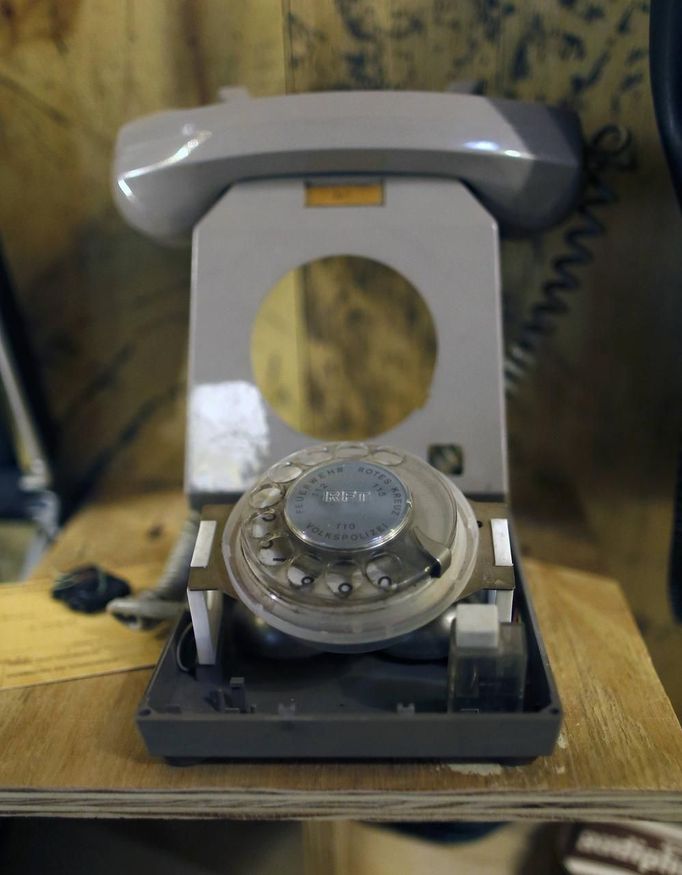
x=340 y=544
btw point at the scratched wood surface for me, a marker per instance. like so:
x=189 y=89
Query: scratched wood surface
x=108 y=310
x=72 y=748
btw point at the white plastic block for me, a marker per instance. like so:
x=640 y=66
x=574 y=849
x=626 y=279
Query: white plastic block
x=477 y=626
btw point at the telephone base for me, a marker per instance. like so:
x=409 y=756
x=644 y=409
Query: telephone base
x=334 y=706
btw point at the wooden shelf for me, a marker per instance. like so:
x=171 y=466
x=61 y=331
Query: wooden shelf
x=72 y=749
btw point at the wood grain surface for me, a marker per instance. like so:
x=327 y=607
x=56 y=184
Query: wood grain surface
x=72 y=748
x=325 y=325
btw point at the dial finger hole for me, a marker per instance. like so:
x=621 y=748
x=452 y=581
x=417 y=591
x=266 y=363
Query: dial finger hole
x=285 y=473
x=314 y=456
x=343 y=578
x=384 y=571
x=274 y=552
x=303 y=572
x=263 y=524
x=386 y=456
x=266 y=496
x=351 y=451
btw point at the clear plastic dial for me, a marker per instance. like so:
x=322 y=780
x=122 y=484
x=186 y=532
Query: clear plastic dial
x=350 y=545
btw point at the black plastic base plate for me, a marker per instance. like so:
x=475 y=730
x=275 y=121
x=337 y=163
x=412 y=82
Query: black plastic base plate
x=338 y=706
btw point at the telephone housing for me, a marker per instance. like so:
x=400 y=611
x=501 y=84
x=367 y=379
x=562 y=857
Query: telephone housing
x=454 y=169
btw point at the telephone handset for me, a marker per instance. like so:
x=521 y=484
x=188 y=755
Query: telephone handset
x=521 y=160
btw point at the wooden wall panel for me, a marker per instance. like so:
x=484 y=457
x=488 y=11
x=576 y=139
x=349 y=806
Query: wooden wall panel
x=601 y=412
x=107 y=309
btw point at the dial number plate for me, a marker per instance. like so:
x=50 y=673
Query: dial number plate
x=347 y=505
